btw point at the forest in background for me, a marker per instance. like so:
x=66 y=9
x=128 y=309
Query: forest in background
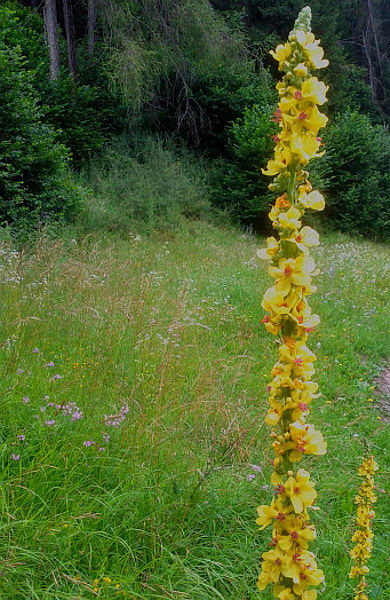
x=134 y=114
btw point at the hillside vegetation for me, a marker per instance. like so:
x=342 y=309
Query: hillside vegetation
x=195 y=78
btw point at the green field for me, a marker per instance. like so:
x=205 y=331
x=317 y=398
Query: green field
x=157 y=343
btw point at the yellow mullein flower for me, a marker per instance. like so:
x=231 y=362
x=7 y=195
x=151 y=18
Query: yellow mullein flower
x=268 y=513
x=279 y=163
x=277 y=302
x=297 y=353
x=300 y=490
x=307 y=440
x=309 y=576
x=304 y=147
x=313 y=200
x=304 y=37
x=270 y=251
x=282 y=53
x=363 y=536
x=300 y=70
x=274 y=563
x=302 y=315
x=274 y=414
x=286 y=104
x=289 y=566
x=315 y=54
x=312 y=49
x=290 y=219
x=305 y=120
x=293 y=271
x=298 y=535
x=314 y=90
x=306 y=238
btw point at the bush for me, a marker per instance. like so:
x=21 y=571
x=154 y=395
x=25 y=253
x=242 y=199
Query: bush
x=239 y=185
x=35 y=182
x=355 y=175
x=225 y=94
x=85 y=116
x=144 y=186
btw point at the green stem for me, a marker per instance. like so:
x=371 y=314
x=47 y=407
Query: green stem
x=291 y=185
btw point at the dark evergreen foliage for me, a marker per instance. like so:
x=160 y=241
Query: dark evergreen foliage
x=200 y=72
x=355 y=175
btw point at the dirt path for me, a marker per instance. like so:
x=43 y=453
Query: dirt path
x=383 y=392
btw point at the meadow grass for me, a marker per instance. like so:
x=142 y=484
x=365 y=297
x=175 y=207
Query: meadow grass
x=157 y=343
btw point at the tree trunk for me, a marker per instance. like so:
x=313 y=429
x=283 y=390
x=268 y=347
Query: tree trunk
x=50 y=15
x=70 y=35
x=91 y=26
x=372 y=21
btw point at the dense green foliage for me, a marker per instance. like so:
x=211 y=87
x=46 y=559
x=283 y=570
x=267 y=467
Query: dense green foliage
x=355 y=174
x=238 y=184
x=144 y=185
x=200 y=73
x=84 y=115
x=35 y=181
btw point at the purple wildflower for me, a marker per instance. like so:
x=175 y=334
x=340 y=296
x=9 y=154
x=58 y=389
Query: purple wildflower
x=50 y=364
x=77 y=415
x=26 y=399
x=56 y=376
x=21 y=437
x=70 y=409
x=35 y=350
x=256 y=468
x=88 y=443
x=19 y=371
x=106 y=437
x=115 y=420
x=50 y=422
x=15 y=456
x=250 y=476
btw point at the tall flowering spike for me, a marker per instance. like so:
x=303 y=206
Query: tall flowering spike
x=363 y=536
x=289 y=565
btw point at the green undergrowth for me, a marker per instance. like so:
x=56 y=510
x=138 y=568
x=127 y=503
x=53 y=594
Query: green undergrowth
x=143 y=184
x=164 y=333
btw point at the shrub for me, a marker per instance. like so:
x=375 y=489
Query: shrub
x=35 y=182
x=144 y=186
x=85 y=116
x=239 y=185
x=356 y=175
x=224 y=95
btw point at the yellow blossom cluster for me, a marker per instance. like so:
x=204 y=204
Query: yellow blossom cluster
x=363 y=536
x=289 y=565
